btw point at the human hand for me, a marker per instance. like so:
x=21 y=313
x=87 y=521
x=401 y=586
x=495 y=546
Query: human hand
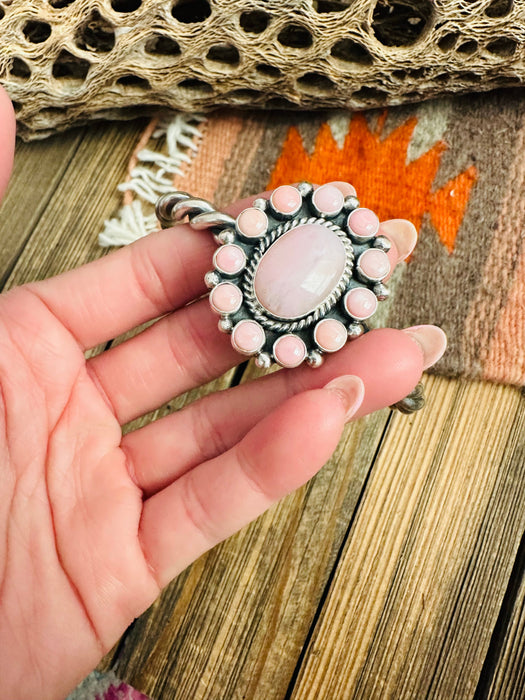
x=93 y=524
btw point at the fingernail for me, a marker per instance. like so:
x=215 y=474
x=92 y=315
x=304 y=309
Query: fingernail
x=403 y=235
x=431 y=340
x=345 y=187
x=350 y=390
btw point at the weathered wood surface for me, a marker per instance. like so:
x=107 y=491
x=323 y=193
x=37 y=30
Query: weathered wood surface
x=396 y=573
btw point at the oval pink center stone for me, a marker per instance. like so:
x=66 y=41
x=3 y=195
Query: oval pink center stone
x=299 y=271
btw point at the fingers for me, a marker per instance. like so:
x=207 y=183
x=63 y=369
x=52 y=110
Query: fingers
x=145 y=280
x=182 y=351
x=388 y=361
x=217 y=498
x=7 y=139
x=179 y=352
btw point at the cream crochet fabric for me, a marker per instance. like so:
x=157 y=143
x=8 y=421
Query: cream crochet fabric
x=65 y=61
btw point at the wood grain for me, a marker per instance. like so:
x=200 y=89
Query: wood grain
x=397 y=572
x=417 y=591
x=234 y=624
x=65 y=233
x=37 y=173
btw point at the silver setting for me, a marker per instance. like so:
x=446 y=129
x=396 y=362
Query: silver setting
x=351 y=202
x=259 y=312
x=225 y=324
x=211 y=279
x=381 y=291
x=165 y=205
x=320 y=212
x=363 y=276
x=263 y=360
x=314 y=358
x=260 y=203
x=225 y=272
x=201 y=214
x=252 y=239
x=211 y=219
x=355 y=330
x=383 y=243
x=305 y=188
x=284 y=215
x=226 y=236
x=355 y=236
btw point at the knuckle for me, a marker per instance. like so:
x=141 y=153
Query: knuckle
x=248 y=466
x=207 y=432
x=150 y=282
x=196 y=512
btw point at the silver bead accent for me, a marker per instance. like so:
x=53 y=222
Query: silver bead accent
x=383 y=243
x=211 y=279
x=305 y=188
x=226 y=236
x=225 y=325
x=261 y=203
x=355 y=330
x=314 y=359
x=351 y=202
x=263 y=360
x=381 y=291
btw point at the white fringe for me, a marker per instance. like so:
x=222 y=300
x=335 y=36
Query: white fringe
x=151 y=178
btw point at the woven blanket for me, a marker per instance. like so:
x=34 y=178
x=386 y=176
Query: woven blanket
x=454 y=166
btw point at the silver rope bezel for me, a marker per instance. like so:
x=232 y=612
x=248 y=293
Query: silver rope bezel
x=259 y=312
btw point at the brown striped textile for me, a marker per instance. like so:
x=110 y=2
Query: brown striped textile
x=455 y=167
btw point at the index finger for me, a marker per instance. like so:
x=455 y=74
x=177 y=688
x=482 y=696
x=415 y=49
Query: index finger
x=147 y=279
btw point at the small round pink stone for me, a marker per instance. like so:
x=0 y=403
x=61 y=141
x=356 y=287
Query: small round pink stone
x=328 y=199
x=248 y=337
x=289 y=350
x=374 y=264
x=229 y=259
x=361 y=303
x=330 y=335
x=363 y=223
x=286 y=199
x=225 y=298
x=252 y=222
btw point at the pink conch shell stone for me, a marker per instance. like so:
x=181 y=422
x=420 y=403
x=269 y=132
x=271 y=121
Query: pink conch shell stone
x=374 y=264
x=248 y=337
x=286 y=199
x=328 y=199
x=363 y=223
x=361 y=303
x=253 y=222
x=230 y=259
x=299 y=271
x=225 y=298
x=330 y=335
x=289 y=350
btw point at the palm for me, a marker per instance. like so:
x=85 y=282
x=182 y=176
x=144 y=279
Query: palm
x=71 y=526
x=93 y=524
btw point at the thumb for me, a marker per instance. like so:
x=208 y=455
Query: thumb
x=7 y=139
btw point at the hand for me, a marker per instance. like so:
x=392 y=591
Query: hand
x=92 y=524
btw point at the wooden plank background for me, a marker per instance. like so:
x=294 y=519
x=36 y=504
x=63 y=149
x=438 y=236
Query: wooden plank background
x=397 y=572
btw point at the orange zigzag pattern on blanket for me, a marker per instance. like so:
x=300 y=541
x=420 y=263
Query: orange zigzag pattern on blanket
x=379 y=171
